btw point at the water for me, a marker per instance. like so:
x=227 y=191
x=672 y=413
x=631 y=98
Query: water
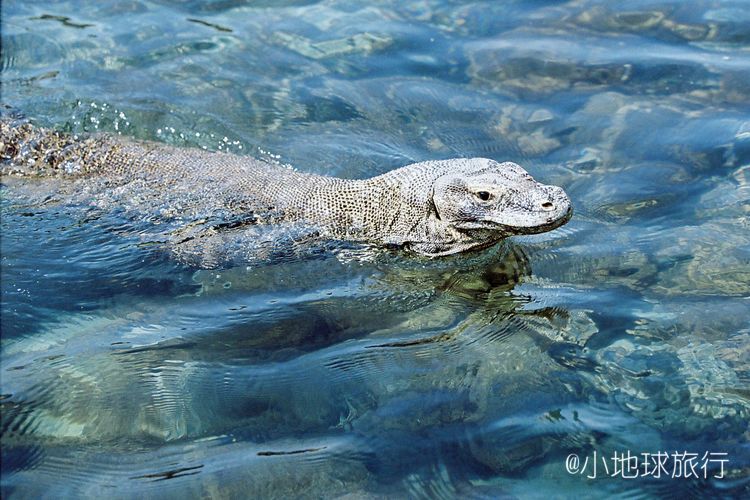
x=128 y=373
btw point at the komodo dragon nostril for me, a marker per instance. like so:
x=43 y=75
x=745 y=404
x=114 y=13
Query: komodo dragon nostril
x=548 y=205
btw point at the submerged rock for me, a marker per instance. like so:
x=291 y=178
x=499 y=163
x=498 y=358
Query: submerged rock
x=674 y=390
x=659 y=23
x=359 y=43
x=706 y=259
x=531 y=130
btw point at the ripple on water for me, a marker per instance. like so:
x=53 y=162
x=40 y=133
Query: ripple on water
x=77 y=262
x=224 y=466
x=28 y=51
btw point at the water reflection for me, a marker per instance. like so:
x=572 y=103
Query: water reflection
x=252 y=322
x=452 y=347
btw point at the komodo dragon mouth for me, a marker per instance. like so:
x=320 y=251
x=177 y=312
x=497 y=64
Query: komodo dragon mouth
x=432 y=208
x=549 y=224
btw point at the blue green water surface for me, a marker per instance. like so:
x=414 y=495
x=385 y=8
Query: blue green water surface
x=512 y=372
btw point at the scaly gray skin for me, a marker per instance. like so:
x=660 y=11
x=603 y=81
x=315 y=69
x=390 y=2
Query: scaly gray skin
x=432 y=208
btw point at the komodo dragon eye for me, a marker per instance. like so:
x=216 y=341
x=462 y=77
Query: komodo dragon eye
x=484 y=195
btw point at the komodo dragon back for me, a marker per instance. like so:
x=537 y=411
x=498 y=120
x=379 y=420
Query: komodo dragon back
x=432 y=208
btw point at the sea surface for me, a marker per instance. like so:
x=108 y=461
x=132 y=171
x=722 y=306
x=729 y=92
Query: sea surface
x=608 y=358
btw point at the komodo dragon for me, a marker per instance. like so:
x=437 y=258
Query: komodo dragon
x=432 y=208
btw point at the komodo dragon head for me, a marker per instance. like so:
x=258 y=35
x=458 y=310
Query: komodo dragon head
x=476 y=202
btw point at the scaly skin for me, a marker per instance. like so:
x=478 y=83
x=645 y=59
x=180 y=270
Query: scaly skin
x=432 y=208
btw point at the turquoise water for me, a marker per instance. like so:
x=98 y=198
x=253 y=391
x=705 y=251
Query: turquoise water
x=125 y=372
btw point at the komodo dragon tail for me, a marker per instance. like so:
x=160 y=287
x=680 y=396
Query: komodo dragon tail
x=29 y=150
